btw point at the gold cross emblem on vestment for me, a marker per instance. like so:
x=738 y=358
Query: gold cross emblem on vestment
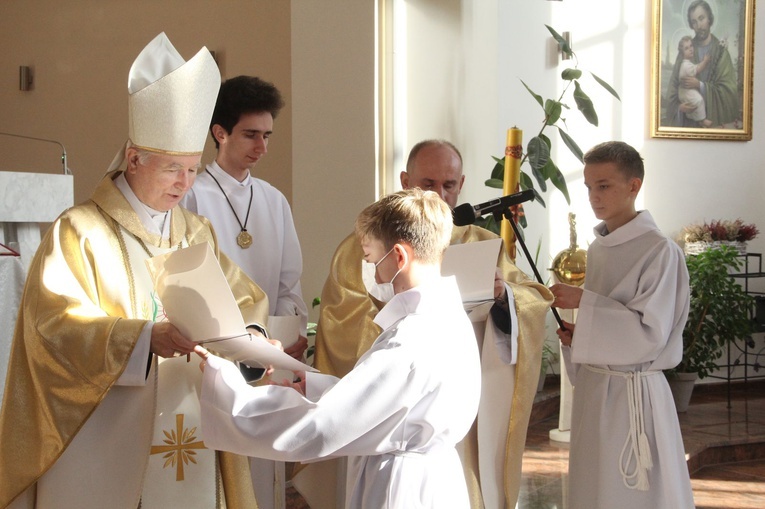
x=179 y=449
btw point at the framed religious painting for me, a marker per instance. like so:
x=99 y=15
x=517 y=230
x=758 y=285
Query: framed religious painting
x=701 y=69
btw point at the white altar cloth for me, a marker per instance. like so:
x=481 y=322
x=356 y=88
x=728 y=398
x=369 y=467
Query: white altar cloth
x=11 y=287
x=28 y=199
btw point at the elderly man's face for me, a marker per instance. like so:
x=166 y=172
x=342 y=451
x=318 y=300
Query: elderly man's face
x=700 y=23
x=161 y=180
x=436 y=168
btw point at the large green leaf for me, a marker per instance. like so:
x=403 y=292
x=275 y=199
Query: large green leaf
x=571 y=144
x=540 y=199
x=552 y=111
x=584 y=103
x=495 y=183
x=556 y=177
x=539 y=176
x=571 y=74
x=498 y=172
x=562 y=43
x=535 y=95
x=606 y=86
x=538 y=152
x=527 y=183
x=549 y=169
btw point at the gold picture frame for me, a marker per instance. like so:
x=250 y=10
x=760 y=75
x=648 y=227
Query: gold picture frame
x=716 y=104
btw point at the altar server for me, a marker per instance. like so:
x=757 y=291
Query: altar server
x=510 y=333
x=626 y=447
x=400 y=411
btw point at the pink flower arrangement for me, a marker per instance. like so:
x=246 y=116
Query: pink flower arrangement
x=720 y=230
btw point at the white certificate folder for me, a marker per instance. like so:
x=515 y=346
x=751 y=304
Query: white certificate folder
x=474 y=265
x=197 y=299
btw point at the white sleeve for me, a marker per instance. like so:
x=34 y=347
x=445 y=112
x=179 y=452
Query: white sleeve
x=135 y=372
x=507 y=344
x=317 y=384
x=643 y=324
x=360 y=415
x=290 y=299
x=571 y=368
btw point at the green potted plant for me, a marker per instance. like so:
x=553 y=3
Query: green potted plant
x=555 y=111
x=720 y=312
x=311 y=333
x=549 y=357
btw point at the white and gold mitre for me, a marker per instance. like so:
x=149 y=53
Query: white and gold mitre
x=171 y=101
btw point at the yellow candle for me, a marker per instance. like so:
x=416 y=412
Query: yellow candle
x=513 y=154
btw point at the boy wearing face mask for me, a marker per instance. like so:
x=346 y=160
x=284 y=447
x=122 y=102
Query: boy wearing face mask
x=510 y=336
x=381 y=291
x=400 y=409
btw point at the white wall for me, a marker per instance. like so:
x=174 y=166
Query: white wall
x=504 y=41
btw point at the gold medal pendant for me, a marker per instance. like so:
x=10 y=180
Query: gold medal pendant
x=244 y=239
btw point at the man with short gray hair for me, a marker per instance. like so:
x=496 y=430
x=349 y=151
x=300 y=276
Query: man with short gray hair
x=103 y=408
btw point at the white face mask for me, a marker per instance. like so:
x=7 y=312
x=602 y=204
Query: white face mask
x=381 y=291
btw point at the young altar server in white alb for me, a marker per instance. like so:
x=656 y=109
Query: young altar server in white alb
x=399 y=413
x=626 y=447
x=252 y=218
x=254 y=224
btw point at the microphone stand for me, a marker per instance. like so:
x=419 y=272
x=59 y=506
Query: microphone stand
x=508 y=214
x=67 y=171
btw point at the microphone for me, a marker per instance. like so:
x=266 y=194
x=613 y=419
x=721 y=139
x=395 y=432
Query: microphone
x=466 y=214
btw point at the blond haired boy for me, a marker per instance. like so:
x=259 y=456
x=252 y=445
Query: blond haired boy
x=399 y=412
x=626 y=447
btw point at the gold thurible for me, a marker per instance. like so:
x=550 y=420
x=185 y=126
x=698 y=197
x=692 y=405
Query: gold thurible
x=569 y=266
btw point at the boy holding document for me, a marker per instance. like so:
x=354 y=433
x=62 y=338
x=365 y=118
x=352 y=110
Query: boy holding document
x=401 y=409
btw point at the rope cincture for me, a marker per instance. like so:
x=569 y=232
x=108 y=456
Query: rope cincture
x=636 y=445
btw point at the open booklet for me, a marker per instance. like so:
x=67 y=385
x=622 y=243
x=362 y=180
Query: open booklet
x=474 y=265
x=198 y=301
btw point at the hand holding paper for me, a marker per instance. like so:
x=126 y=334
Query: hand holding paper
x=287 y=330
x=198 y=301
x=474 y=265
x=167 y=341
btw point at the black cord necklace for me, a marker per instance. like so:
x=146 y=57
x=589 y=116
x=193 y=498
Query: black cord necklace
x=244 y=239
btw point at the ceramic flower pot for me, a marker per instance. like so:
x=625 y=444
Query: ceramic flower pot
x=681 y=385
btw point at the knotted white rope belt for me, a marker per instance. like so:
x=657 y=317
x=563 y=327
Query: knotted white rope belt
x=636 y=446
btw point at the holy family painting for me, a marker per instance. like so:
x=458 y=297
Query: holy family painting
x=702 y=59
